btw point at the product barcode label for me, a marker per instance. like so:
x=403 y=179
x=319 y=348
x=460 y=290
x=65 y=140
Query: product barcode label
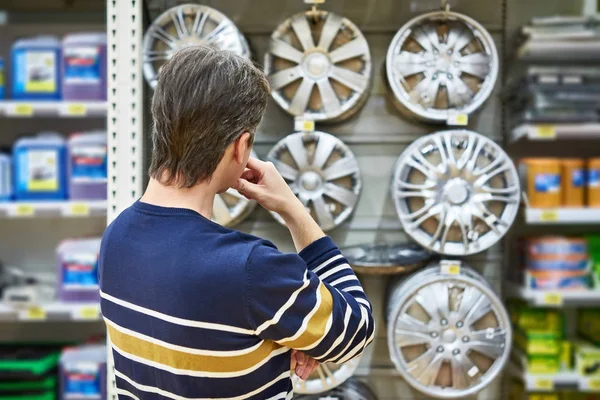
x=36 y=313
x=21 y=110
x=73 y=109
x=553 y=299
x=458 y=119
x=549 y=216
x=545 y=132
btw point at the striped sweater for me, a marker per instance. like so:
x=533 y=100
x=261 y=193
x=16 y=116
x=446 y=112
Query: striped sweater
x=198 y=311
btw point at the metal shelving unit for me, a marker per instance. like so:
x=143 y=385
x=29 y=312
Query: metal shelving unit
x=551 y=131
x=562 y=216
x=72 y=208
x=555 y=298
x=61 y=109
x=54 y=311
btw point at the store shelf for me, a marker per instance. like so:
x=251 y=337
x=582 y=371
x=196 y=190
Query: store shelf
x=53 y=209
x=556 y=131
x=555 y=298
x=564 y=380
x=62 y=109
x=562 y=216
x=51 y=312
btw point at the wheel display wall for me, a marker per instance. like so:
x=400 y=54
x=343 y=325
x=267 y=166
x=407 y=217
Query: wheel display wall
x=456 y=192
x=183 y=26
x=349 y=390
x=440 y=64
x=322 y=172
x=319 y=66
x=449 y=336
x=326 y=377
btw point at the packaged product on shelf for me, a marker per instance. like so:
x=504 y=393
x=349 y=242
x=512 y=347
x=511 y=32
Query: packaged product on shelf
x=586 y=358
x=538 y=343
x=1 y=78
x=588 y=324
x=87 y=166
x=77 y=264
x=573 y=179
x=6 y=188
x=543 y=182
x=566 y=355
x=40 y=167
x=84 y=66
x=36 y=68
x=593 y=182
x=83 y=372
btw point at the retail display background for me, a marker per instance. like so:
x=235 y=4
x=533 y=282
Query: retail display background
x=377 y=135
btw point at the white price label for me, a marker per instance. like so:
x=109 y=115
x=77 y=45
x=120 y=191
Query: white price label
x=73 y=110
x=458 y=119
x=303 y=125
x=547 y=132
x=450 y=267
x=20 y=110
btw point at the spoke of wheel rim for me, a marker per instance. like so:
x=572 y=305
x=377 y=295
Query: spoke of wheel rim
x=449 y=148
x=301 y=97
x=302 y=30
x=481 y=212
x=350 y=79
x=469 y=369
x=295 y=145
x=447 y=222
x=490 y=217
x=199 y=22
x=470 y=166
x=424 y=299
x=342 y=167
x=468 y=153
x=431 y=93
x=415 y=224
x=481 y=308
x=413 y=186
x=220 y=210
x=459 y=378
x=470 y=296
x=162 y=35
x=479 y=70
x=322 y=212
x=340 y=194
x=438 y=231
x=179 y=23
x=430 y=374
x=459 y=93
x=475 y=58
x=284 y=77
x=495 y=337
x=325 y=147
x=427 y=194
x=330 y=100
x=408 y=338
x=286 y=171
x=330 y=29
x=222 y=28
x=408 y=57
x=411 y=69
x=420 y=90
x=463 y=232
x=406 y=322
x=151 y=56
x=446 y=155
x=422 y=36
x=508 y=190
x=322 y=375
x=285 y=50
x=424 y=169
x=490 y=197
x=419 y=364
x=504 y=166
x=491 y=350
x=441 y=296
x=458 y=38
x=355 y=48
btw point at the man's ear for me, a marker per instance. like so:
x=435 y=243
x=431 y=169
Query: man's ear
x=241 y=144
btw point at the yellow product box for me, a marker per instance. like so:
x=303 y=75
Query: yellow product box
x=540 y=320
x=535 y=343
x=587 y=358
x=588 y=324
x=543 y=364
x=566 y=355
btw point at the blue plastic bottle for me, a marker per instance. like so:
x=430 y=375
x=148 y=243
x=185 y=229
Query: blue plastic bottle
x=83 y=372
x=84 y=66
x=1 y=78
x=40 y=167
x=6 y=189
x=36 y=69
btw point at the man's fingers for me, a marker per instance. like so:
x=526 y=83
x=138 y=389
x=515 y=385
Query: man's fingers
x=246 y=188
x=301 y=358
x=255 y=164
x=249 y=175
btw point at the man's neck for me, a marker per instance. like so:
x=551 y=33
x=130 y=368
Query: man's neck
x=199 y=198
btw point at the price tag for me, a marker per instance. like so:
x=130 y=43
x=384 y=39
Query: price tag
x=314 y=1
x=73 y=109
x=549 y=216
x=303 y=125
x=24 y=210
x=543 y=384
x=593 y=384
x=88 y=313
x=80 y=209
x=36 y=313
x=545 y=132
x=21 y=110
x=458 y=119
x=450 y=267
x=553 y=299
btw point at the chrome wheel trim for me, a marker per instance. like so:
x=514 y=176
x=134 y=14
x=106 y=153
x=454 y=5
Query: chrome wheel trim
x=352 y=389
x=338 y=74
x=455 y=192
x=323 y=173
x=441 y=64
x=183 y=26
x=449 y=336
x=326 y=377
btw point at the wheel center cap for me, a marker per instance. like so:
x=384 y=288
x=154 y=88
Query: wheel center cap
x=310 y=181
x=316 y=65
x=449 y=336
x=457 y=191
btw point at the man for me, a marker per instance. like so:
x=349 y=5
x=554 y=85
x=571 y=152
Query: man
x=196 y=310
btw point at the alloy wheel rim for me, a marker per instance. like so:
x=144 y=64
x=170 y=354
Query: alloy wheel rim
x=326 y=377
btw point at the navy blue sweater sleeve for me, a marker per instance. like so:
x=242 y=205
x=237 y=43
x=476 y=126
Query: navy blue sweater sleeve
x=310 y=301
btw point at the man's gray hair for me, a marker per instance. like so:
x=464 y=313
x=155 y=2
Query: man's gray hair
x=205 y=99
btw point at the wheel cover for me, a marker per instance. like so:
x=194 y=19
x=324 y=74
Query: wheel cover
x=183 y=26
x=449 y=336
x=352 y=389
x=385 y=258
x=322 y=172
x=442 y=63
x=323 y=79
x=326 y=377
x=456 y=192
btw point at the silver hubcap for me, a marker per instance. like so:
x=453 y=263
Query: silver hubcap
x=448 y=336
x=352 y=389
x=326 y=377
x=440 y=63
x=188 y=25
x=456 y=192
x=322 y=172
x=322 y=79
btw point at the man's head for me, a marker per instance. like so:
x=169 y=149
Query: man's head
x=206 y=108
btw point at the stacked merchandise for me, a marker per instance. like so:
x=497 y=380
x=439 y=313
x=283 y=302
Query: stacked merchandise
x=46 y=167
x=555 y=263
x=83 y=373
x=28 y=372
x=44 y=68
x=594 y=250
x=77 y=265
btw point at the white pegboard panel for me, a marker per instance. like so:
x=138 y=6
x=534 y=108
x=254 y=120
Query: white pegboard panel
x=124 y=117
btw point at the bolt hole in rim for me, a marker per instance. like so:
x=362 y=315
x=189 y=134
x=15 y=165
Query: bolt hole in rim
x=322 y=172
x=440 y=64
x=183 y=26
x=326 y=377
x=435 y=358
x=456 y=192
x=319 y=66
